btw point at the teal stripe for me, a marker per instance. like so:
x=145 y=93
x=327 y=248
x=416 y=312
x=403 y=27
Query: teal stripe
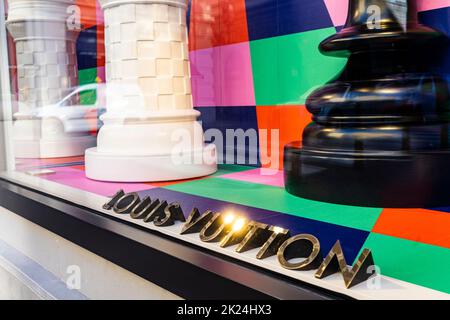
x=418 y=263
x=277 y=199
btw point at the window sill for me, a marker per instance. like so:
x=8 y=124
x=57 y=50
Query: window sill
x=183 y=268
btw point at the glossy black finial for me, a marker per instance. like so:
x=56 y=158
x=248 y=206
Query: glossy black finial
x=378 y=25
x=380 y=131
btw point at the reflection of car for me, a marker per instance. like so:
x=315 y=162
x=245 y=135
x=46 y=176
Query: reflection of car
x=75 y=118
x=63 y=129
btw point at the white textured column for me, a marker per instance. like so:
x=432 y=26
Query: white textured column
x=46 y=69
x=150 y=130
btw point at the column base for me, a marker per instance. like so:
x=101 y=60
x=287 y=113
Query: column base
x=58 y=148
x=148 y=168
x=394 y=179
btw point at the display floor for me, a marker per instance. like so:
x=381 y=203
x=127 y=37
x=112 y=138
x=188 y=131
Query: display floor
x=411 y=245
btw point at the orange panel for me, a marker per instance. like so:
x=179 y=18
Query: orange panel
x=233 y=22
x=82 y=168
x=289 y=120
x=169 y=183
x=217 y=23
x=205 y=25
x=88 y=13
x=420 y=225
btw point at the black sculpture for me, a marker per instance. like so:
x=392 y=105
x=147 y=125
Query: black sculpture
x=380 y=131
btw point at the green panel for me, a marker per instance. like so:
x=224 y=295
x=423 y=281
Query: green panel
x=410 y=261
x=231 y=168
x=287 y=68
x=277 y=199
x=87 y=76
x=264 y=66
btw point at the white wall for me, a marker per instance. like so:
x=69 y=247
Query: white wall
x=100 y=279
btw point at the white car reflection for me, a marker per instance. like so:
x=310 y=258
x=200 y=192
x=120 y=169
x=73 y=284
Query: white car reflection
x=75 y=118
x=63 y=129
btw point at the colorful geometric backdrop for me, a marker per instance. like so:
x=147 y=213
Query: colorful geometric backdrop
x=254 y=62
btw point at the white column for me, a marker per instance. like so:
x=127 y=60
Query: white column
x=150 y=130
x=46 y=68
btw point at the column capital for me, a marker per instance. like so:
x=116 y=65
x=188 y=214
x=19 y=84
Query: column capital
x=40 y=19
x=48 y=10
x=112 y=3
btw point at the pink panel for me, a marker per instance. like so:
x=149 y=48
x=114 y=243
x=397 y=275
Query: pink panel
x=222 y=76
x=101 y=74
x=424 y=5
x=99 y=14
x=261 y=176
x=337 y=10
x=237 y=75
x=77 y=179
x=205 y=73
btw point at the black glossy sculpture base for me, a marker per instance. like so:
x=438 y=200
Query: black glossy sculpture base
x=388 y=180
x=380 y=135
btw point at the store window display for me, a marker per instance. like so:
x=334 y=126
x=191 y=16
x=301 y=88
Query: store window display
x=239 y=90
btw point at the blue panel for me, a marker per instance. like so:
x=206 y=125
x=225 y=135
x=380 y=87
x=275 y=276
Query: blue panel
x=87 y=48
x=271 y=18
x=339 y=28
x=223 y=118
x=443 y=209
x=188 y=202
x=438 y=19
x=438 y=58
x=188 y=14
x=351 y=239
x=262 y=21
x=302 y=15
